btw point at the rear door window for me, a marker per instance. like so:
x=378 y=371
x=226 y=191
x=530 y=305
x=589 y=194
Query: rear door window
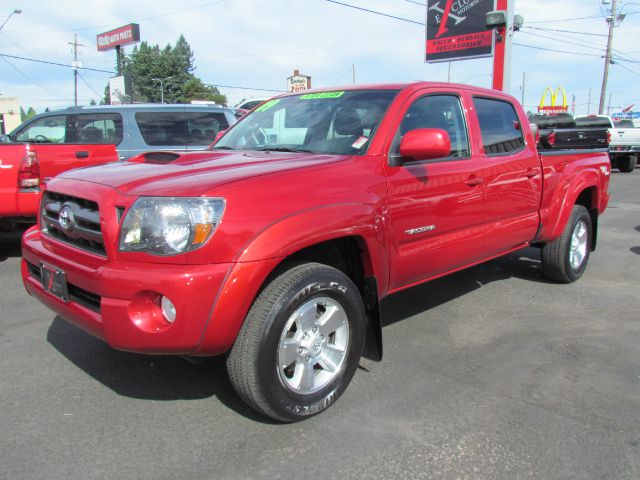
x=499 y=126
x=97 y=128
x=180 y=128
x=49 y=129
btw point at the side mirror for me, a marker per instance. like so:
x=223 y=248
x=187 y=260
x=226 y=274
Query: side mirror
x=425 y=144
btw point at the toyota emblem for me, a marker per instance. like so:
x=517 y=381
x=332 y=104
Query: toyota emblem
x=65 y=218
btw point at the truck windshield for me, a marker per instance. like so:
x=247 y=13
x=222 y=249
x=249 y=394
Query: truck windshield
x=336 y=122
x=623 y=123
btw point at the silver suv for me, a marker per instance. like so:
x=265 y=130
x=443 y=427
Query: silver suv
x=132 y=128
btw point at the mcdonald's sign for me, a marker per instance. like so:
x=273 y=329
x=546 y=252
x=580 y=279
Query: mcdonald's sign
x=553 y=107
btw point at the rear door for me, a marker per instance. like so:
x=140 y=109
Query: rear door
x=66 y=141
x=435 y=206
x=513 y=176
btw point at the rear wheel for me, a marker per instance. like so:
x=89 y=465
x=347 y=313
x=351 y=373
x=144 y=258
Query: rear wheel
x=300 y=343
x=565 y=259
x=627 y=164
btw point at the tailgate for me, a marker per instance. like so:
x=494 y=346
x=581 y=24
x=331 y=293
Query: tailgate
x=11 y=155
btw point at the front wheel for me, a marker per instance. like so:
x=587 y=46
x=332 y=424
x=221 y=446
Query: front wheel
x=565 y=259
x=300 y=343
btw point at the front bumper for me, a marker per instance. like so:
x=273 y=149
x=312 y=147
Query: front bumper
x=118 y=301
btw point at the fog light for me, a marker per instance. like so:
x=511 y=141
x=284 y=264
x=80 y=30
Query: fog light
x=168 y=309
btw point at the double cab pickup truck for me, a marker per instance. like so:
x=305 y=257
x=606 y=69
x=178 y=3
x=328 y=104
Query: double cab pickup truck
x=624 y=144
x=276 y=247
x=26 y=167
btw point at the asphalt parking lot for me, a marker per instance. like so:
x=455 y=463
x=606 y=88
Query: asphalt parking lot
x=492 y=373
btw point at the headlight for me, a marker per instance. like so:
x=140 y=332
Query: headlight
x=170 y=225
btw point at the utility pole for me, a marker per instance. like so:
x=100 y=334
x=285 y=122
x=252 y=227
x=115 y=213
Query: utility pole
x=75 y=45
x=611 y=20
x=589 y=103
x=524 y=79
x=609 y=106
x=573 y=104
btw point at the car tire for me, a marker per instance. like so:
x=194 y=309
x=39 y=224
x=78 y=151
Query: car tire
x=565 y=259
x=627 y=164
x=300 y=343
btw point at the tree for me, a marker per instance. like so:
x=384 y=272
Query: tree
x=156 y=72
x=194 y=89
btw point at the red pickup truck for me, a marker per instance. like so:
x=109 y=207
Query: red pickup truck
x=26 y=167
x=276 y=247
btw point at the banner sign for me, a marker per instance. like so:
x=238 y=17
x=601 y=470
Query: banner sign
x=625 y=115
x=552 y=108
x=456 y=30
x=118 y=37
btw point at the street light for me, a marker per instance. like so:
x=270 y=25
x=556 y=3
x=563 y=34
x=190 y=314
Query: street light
x=10 y=15
x=161 y=80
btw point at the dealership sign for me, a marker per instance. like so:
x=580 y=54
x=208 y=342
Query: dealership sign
x=625 y=115
x=118 y=37
x=456 y=30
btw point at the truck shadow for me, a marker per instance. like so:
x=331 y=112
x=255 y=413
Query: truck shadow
x=167 y=378
x=146 y=377
x=524 y=264
x=10 y=244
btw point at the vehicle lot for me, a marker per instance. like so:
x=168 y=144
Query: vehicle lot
x=489 y=373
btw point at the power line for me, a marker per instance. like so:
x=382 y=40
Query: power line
x=88 y=85
x=628 y=69
x=55 y=63
x=245 y=88
x=566 y=31
x=30 y=78
x=377 y=13
x=566 y=19
x=601 y=48
x=557 y=51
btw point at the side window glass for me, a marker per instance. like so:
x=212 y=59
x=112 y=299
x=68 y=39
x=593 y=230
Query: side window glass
x=97 y=128
x=499 y=126
x=180 y=128
x=50 y=129
x=436 y=111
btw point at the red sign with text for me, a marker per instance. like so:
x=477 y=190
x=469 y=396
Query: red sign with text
x=118 y=37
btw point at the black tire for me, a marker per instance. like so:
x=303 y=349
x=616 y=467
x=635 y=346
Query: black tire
x=558 y=258
x=253 y=362
x=627 y=164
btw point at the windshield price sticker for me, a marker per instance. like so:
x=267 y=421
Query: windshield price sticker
x=268 y=105
x=360 y=142
x=315 y=96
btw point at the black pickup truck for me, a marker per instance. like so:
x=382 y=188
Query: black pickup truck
x=559 y=132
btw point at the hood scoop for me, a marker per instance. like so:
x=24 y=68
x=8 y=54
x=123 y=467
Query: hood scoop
x=160 y=157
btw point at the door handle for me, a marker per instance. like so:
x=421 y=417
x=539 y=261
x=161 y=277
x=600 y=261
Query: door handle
x=531 y=172
x=473 y=181
x=82 y=154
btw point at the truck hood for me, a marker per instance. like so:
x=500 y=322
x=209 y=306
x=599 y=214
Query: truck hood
x=193 y=174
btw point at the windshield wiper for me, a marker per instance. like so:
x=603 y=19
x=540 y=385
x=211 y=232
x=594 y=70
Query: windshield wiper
x=283 y=149
x=222 y=147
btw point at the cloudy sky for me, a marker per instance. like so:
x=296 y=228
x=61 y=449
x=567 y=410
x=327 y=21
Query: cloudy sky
x=257 y=43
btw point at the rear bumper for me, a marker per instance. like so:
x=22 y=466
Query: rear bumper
x=119 y=301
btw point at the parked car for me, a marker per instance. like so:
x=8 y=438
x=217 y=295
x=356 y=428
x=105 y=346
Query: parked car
x=277 y=246
x=134 y=128
x=624 y=146
x=559 y=131
x=25 y=168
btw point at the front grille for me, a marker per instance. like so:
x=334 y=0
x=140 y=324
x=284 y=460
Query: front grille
x=76 y=294
x=72 y=220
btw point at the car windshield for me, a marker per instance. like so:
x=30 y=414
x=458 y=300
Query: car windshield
x=337 y=122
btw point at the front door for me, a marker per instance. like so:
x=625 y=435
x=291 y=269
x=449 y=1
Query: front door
x=436 y=207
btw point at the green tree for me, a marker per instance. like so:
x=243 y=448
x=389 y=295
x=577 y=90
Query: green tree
x=156 y=71
x=194 y=89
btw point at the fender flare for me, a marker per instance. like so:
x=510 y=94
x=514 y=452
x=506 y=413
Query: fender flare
x=588 y=180
x=260 y=256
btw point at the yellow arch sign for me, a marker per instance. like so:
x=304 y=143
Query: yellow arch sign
x=553 y=96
